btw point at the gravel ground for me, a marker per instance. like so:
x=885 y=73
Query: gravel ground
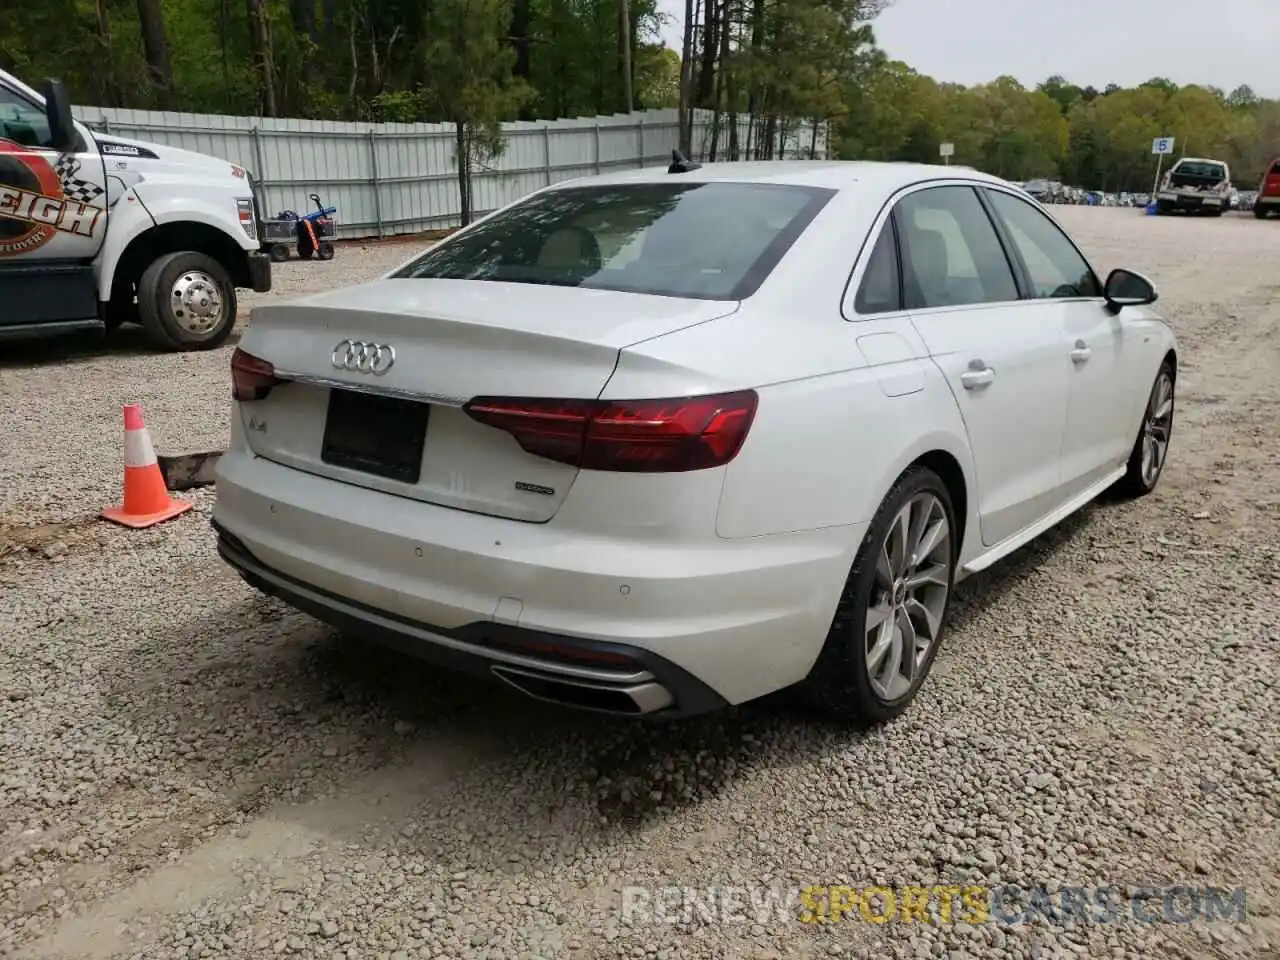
x=190 y=770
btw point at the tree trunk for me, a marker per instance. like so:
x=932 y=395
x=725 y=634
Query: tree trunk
x=110 y=91
x=706 y=89
x=262 y=55
x=686 y=79
x=464 y=171
x=156 y=49
x=813 y=141
x=521 y=21
x=624 y=54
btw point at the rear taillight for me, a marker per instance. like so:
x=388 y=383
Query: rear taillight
x=251 y=377
x=629 y=436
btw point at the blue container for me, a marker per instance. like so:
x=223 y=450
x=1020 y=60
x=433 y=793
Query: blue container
x=1151 y=209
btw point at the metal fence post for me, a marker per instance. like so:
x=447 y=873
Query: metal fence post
x=596 y=127
x=640 y=144
x=546 y=153
x=257 y=154
x=377 y=193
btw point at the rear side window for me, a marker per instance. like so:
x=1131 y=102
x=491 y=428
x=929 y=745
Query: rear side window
x=880 y=290
x=1275 y=169
x=713 y=241
x=951 y=254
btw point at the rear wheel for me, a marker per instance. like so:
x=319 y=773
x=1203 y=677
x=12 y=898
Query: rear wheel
x=186 y=301
x=325 y=250
x=890 y=619
x=1260 y=212
x=1151 y=448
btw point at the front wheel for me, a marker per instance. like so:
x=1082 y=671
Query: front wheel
x=889 y=622
x=1151 y=448
x=186 y=301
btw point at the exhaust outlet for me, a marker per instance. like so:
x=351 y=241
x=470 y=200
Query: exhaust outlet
x=635 y=700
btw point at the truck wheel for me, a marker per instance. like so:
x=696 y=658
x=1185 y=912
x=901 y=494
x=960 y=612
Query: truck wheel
x=187 y=301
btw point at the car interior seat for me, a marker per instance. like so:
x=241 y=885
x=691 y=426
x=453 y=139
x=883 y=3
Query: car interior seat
x=571 y=250
x=929 y=266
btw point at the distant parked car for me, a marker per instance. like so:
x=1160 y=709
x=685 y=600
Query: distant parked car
x=657 y=442
x=1268 y=198
x=1041 y=190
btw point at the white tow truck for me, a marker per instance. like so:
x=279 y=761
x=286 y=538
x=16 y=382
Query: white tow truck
x=98 y=230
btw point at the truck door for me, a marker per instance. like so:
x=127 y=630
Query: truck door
x=53 y=218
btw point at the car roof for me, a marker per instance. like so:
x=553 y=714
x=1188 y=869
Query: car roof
x=1200 y=160
x=878 y=176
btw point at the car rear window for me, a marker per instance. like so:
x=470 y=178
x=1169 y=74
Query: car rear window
x=1200 y=169
x=713 y=241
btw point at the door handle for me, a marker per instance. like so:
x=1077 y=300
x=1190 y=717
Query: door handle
x=978 y=375
x=1081 y=352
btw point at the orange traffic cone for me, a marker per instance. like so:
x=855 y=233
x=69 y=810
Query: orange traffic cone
x=146 y=499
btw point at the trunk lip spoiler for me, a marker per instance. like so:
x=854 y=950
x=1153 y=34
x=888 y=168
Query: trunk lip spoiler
x=398 y=393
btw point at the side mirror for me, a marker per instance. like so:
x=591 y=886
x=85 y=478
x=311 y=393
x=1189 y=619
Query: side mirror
x=57 y=109
x=1125 y=288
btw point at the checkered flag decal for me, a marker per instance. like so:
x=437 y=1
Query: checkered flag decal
x=73 y=188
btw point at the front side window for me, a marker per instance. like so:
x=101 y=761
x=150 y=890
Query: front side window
x=951 y=254
x=22 y=121
x=707 y=240
x=1057 y=269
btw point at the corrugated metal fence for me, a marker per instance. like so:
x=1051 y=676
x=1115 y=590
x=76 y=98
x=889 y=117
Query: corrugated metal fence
x=392 y=178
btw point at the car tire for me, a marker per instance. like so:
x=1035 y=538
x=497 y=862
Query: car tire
x=855 y=677
x=186 y=301
x=1154 y=436
x=1260 y=212
x=1161 y=209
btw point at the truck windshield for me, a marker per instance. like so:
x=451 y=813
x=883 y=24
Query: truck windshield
x=714 y=241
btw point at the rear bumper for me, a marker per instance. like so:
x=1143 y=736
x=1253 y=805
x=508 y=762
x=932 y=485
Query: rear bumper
x=606 y=677
x=1191 y=201
x=710 y=622
x=1262 y=201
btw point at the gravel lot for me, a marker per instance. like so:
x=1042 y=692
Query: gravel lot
x=190 y=770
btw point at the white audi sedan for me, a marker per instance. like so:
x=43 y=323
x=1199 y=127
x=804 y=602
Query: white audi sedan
x=658 y=442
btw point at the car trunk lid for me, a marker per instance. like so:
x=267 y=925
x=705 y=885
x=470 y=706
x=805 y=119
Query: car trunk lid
x=398 y=425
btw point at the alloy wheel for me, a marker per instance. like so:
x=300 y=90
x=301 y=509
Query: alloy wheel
x=908 y=595
x=1157 y=428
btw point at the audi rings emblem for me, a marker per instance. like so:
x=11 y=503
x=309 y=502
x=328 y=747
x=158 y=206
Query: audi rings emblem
x=362 y=356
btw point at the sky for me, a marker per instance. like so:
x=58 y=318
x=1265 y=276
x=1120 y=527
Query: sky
x=1221 y=43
